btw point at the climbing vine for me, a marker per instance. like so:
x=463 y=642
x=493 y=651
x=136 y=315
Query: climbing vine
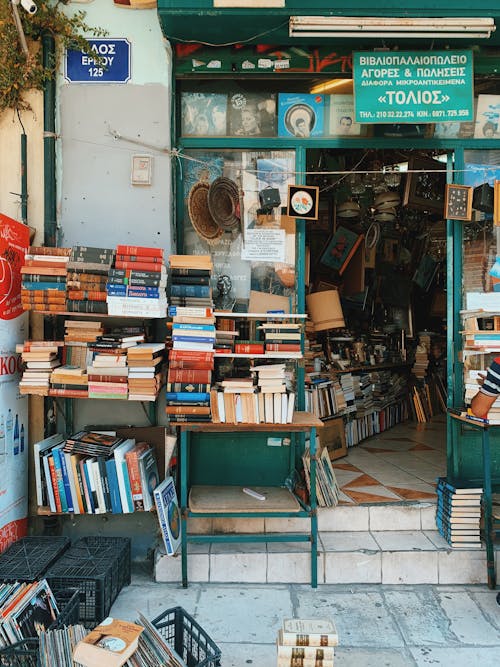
x=21 y=72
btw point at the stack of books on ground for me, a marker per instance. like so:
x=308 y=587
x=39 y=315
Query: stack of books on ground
x=77 y=335
x=94 y=473
x=87 y=275
x=327 y=488
x=307 y=643
x=458 y=514
x=282 y=339
x=191 y=356
x=39 y=359
x=144 y=371
x=26 y=609
x=136 y=283
x=69 y=382
x=44 y=273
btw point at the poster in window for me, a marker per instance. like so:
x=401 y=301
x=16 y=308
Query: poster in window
x=341 y=117
x=203 y=114
x=252 y=114
x=300 y=115
x=487 y=117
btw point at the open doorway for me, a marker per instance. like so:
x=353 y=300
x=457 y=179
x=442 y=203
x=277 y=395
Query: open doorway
x=376 y=283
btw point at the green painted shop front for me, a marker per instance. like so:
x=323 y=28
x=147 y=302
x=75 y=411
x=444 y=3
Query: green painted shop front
x=217 y=46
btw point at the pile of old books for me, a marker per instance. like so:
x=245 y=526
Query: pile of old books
x=327 y=488
x=281 y=337
x=136 y=283
x=69 y=381
x=307 y=642
x=458 y=514
x=144 y=363
x=95 y=473
x=44 y=275
x=191 y=357
x=25 y=610
x=39 y=359
x=87 y=275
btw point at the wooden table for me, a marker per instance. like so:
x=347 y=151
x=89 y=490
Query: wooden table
x=303 y=423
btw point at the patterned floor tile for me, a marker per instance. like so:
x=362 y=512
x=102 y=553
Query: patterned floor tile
x=372 y=497
x=412 y=494
x=362 y=480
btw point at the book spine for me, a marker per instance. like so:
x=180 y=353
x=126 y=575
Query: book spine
x=43 y=285
x=249 y=348
x=130 y=274
x=114 y=490
x=189 y=418
x=139 y=250
x=191 y=365
x=190 y=355
x=192 y=327
x=139 y=266
x=82 y=295
x=190 y=280
x=55 y=483
x=186 y=397
x=80 y=492
x=190 y=290
x=165 y=530
x=283 y=347
x=60 y=482
x=189 y=272
x=95 y=377
x=89 y=474
x=47 y=250
x=69 y=393
x=296 y=639
x=40 y=276
x=189 y=312
x=87 y=307
x=187 y=410
x=187 y=387
x=193 y=339
x=87 y=493
x=72 y=387
x=139 y=258
x=89 y=268
x=135 y=480
x=199 y=376
x=66 y=472
x=127 y=486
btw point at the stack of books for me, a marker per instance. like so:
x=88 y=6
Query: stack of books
x=225 y=334
x=136 y=284
x=94 y=473
x=69 y=381
x=39 y=358
x=108 y=372
x=144 y=371
x=327 y=488
x=87 y=274
x=282 y=337
x=44 y=273
x=191 y=357
x=458 y=514
x=77 y=334
x=26 y=610
x=276 y=402
x=307 y=642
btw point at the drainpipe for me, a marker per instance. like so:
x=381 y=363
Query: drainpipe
x=24 y=177
x=49 y=145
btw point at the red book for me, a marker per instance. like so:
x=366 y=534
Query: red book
x=89 y=295
x=55 y=488
x=190 y=355
x=138 y=266
x=283 y=347
x=69 y=393
x=132 y=459
x=192 y=365
x=139 y=250
x=44 y=270
x=122 y=379
x=249 y=348
x=139 y=258
x=187 y=410
x=57 y=264
x=194 y=375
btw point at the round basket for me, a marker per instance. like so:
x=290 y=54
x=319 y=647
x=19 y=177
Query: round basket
x=199 y=213
x=224 y=203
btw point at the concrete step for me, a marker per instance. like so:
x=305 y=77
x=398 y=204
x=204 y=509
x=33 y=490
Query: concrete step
x=371 y=557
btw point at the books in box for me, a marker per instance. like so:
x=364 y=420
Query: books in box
x=169 y=517
x=111 y=643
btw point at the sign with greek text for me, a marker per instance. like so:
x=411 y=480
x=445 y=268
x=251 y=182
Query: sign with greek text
x=110 y=65
x=413 y=86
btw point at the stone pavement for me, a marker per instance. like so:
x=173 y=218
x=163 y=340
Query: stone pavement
x=378 y=625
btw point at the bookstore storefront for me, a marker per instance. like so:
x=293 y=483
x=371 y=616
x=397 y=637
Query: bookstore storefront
x=394 y=253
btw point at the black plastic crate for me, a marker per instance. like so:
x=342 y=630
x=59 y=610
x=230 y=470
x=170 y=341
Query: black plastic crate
x=99 y=567
x=29 y=558
x=188 y=638
x=25 y=653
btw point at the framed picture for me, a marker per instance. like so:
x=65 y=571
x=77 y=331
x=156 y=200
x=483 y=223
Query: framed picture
x=425 y=185
x=340 y=248
x=496 y=204
x=332 y=438
x=458 y=202
x=303 y=201
x=487 y=117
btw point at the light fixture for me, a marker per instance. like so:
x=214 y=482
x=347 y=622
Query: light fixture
x=331 y=84
x=371 y=26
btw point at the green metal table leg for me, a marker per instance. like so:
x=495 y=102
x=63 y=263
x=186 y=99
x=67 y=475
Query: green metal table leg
x=184 y=507
x=487 y=499
x=314 y=517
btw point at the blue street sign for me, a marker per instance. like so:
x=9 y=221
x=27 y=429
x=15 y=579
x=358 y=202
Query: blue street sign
x=113 y=66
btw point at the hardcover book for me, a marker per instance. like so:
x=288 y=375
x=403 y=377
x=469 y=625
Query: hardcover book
x=168 y=515
x=309 y=632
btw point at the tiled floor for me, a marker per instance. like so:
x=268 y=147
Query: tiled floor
x=401 y=464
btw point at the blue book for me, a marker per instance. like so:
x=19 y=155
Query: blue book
x=60 y=480
x=128 y=488
x=186 y=397
x=116 y=503
x=145 y=295
x=61 y=287
x=89 y=487
x=116 y=287
x=190 y=290
x=194 y=327
x=66 y=481
x=192 y=339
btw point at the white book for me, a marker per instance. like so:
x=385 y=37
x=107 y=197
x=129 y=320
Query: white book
x=48 y=479
x=238 y=408
x=268 y=400
x=182 y=345
x=144 y=375
x=277 y=407
x=220 y=403
x=291 y=407
x=71 y=480
x=169 y=516
x=145 y=347
x=121 y=471
x=284 y=408
x=101 y=508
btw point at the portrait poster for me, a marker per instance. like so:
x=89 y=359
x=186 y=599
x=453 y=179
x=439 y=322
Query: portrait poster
x=14 y=242
x=252 y=114
x=456 y=129
x=300 y=115
x=487 y=117
x=341 y=117
x=203 y=114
